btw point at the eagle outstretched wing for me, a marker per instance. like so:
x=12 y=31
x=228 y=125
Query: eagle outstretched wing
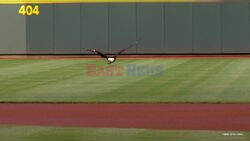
x=105 y=56
x=98 y=52
x=121 y=51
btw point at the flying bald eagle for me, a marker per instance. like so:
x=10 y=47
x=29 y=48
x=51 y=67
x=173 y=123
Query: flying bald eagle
x=111 y=58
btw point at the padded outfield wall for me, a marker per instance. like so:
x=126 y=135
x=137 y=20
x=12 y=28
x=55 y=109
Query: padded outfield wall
x=160 y=28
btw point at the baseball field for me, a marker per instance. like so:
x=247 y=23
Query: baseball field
x=192 y=98
x=183 y=80
x=38 y=133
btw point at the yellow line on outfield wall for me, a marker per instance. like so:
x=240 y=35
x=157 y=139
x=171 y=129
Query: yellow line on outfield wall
x=101 y=1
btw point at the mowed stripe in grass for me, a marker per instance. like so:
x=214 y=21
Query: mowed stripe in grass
x=183 y=80
x=36 y=133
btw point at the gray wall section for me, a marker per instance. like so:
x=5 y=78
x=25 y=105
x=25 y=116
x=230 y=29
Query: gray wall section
x=150 y=27
x=122 y=27
x=235 y=28
x=13 y=31
x=178 y=28
x=206 y=28
x=67 y=29
x=40 y=31
x=94 y=27
x=159 y=27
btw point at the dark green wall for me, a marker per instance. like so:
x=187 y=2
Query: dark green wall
x=235 y=29
x=40 y=32
x=67 y=28
x=94 y=27
x=150 y=28
x=159 y=27
x=178 y=28
x=207 y=28
x=12 y=30
x=122 y=26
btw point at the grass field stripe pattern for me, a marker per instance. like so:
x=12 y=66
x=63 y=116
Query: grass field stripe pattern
x=107 y=1
x=183 y=81
x=37 y=133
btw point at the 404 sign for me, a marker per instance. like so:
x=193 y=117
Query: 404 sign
x=29 y=10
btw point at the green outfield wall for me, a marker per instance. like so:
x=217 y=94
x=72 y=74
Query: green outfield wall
x=12 y=30
x=159 y=27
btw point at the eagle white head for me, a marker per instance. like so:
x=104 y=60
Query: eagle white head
x=111 y=59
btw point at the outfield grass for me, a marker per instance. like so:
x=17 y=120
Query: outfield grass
x=36 y=133
x=183 y=80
